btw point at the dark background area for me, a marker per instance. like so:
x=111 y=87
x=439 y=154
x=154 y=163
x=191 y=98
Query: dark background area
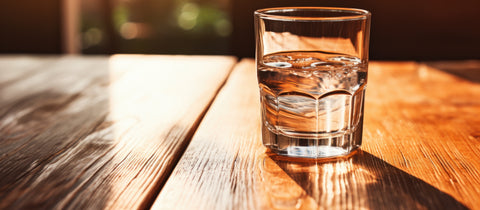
x=401 y=30
x=29 y=26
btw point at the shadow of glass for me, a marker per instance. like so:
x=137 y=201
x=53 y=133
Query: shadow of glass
x=469 y=70
x=362 y=181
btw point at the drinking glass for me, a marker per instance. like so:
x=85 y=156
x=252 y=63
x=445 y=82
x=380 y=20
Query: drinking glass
x=312 y=72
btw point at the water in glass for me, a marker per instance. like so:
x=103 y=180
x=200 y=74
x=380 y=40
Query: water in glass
x=312 y=102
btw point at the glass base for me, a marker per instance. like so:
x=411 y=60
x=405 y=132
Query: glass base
x=301 y=147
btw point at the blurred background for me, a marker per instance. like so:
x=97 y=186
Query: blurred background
x=401 y=30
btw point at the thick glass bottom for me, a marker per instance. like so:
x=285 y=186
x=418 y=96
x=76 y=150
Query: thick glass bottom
x=336 y=145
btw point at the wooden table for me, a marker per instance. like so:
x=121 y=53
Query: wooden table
x=183 y=132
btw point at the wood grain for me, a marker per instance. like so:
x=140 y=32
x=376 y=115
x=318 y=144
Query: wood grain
x=420 y=150
x=98 y=132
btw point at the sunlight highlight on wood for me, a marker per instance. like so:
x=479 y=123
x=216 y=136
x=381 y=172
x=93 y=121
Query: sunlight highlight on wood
x=94 y=132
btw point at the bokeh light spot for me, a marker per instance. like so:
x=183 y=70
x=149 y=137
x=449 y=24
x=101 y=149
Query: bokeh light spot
x=223 y=27
x=128 y=30
x=187 y=19
x=91 y=37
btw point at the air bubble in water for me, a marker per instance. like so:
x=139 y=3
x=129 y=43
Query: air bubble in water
x=327 y=64
x=279 y=64
x=346 y=59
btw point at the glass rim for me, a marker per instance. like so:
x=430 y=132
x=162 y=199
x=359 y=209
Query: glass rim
x=358 y=14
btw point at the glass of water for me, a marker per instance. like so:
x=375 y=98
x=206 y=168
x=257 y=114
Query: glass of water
x=312 y=72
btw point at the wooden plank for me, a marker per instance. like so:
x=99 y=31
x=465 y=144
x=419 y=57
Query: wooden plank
x=420 y=150
x=99 y=132
x=469 y=69
x=18 y=67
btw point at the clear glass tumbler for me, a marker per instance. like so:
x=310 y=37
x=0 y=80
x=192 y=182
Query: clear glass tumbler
x=312 y=71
